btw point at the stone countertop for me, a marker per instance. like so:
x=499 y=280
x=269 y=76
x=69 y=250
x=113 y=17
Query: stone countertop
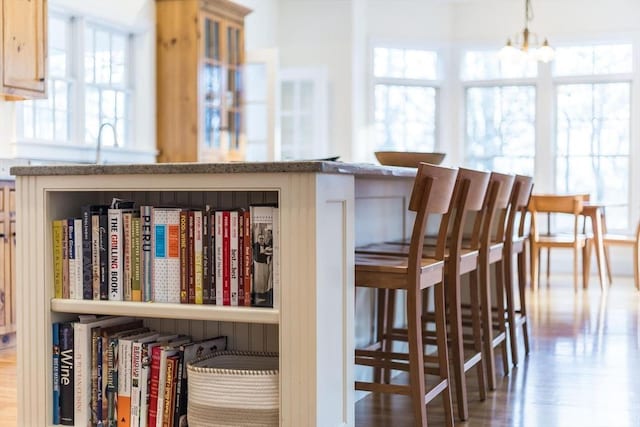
x=359 y=169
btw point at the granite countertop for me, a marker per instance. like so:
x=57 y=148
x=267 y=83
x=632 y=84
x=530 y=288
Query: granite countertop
x=364 y=169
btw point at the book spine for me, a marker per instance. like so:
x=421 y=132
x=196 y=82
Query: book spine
x=233 y=257
x=112 y=381
x=160 y=256
x=136 y=362
x=124 y=383
x=179 y=407
x=136 y=292
x=71 y=253
x=126 y=256
x=82 y=371
x=65 y=259
x=226 y=259
x=103 y=256
x=96 y=402
x=87 y=267
x=169 y=391
x=240 y=257
x=115 y=255
x=206 y=257
x=57 y=258
x=184 y=266
x=191 y=266
x=145 y=380
x=55 y=362
x=218 y=258
x=95 y=255
x=77 y=229
x=173 y=256
x=100 y=379
x=153 y=387
x=197 y=245
x=248 y=259
x=146 y=252
x=66 y=374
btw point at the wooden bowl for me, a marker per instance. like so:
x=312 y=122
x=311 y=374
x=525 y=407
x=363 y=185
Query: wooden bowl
x=408 y=159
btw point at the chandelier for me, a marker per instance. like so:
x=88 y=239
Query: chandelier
x=526 y=42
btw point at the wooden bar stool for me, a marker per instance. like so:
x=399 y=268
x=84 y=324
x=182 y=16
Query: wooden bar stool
x=468 y=197
x=489 y=233
x=515 y=245
x=432 y=192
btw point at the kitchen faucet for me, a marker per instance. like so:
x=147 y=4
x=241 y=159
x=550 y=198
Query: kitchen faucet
x=99 y=143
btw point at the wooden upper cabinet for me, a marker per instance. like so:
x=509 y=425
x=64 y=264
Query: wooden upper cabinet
x=199 y=75
x=23 y=50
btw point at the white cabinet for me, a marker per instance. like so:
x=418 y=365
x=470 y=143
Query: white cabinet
x=311 y=324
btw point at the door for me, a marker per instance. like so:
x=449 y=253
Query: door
x=261 y=105
x=23 y=45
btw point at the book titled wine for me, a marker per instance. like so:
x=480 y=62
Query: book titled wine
x=66 y=374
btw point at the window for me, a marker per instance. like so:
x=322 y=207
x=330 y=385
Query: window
x=500 y=101
x=105 y=76
x=82 y=98
x=48 y=119
x=405 y=99
x=593 y=125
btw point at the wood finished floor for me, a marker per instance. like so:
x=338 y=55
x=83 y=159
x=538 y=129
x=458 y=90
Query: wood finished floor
x=583 y=369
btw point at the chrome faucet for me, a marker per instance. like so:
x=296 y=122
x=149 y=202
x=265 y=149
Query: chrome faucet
x=99 y=143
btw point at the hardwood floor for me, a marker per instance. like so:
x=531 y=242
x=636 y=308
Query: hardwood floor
x=583 y=369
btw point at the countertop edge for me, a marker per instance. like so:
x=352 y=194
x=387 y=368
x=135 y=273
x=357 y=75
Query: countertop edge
x=215 y=168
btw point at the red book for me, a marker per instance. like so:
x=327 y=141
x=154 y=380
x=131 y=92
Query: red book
x=153 y=386
x=226 y=258
x=240 y=256
x=191 y=261
x=247 y=257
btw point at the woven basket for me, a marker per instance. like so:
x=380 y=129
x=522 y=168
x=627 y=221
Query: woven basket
x=234 y=388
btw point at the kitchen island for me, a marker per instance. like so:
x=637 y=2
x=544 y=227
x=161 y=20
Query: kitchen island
x=325 y=209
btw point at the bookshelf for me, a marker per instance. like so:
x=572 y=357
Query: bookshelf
x=310 y=326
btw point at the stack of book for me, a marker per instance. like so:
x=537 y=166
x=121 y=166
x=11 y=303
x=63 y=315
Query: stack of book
x=188 y=255
x=114 y=371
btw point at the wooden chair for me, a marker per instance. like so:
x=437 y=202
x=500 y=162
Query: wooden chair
x=468 y=197
x=517 y=234
x=576 y=239
x=432 y=192
x=628 y=240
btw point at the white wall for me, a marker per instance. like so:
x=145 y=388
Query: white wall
x=261 y=25
x=315 y=33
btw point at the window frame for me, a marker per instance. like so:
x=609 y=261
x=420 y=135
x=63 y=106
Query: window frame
x=436 y=84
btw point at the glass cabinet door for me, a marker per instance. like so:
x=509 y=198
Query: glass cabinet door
x=212 y=84
x=235 y=86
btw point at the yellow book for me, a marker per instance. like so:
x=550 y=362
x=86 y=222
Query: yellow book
x=57 y=258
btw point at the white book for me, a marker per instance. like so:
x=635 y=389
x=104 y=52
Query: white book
x=77 y=230
x=82 y=364
x=136 y=370
x=125 y=347
x=166 y=255
x=114 y=217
